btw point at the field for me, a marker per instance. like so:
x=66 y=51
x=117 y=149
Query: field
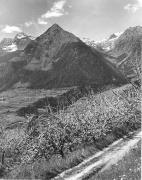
x=56 y=141
x=12 y=100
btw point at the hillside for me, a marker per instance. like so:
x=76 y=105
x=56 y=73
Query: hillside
x=128 y=50
x=128 y=40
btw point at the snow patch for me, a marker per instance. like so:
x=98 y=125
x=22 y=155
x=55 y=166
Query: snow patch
x=10 y=48
x=20 y=36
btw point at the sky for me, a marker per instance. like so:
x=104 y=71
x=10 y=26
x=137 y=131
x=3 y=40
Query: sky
x=94 y=19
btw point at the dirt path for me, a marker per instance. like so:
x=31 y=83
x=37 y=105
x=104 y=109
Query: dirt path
x=101 y=160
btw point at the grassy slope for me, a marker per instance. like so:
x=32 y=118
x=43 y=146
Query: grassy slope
x=58 y=141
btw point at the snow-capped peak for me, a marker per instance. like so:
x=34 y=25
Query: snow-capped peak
x=20 y=35
x=118 y=34
x=106 y=44
x=89 y=42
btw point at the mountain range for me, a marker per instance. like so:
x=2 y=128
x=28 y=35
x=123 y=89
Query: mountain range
x=105 y=44
x=58 y=58
x=125 y=48
x=19 y=42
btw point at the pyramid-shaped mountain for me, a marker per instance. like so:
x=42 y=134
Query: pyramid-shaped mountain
x=58 y=58
x=43 y=50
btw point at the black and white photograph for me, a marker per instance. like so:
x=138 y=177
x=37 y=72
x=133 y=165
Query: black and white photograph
x=70 y=89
